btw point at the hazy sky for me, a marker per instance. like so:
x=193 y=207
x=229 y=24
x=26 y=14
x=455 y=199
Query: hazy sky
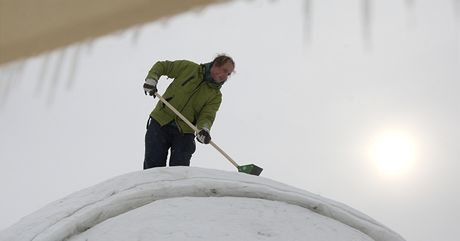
x=312 y=102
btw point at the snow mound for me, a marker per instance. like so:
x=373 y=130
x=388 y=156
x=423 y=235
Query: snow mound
x=220 y=218
x=188 y=203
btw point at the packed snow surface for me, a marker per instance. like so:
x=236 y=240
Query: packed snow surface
x=220 y=218
x=187 y=203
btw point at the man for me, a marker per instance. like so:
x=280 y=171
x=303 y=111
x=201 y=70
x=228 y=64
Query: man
x=195 y=92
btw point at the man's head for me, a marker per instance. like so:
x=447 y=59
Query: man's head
x=222 y=67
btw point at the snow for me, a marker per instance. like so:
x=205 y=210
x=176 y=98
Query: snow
x=188 y=203
x=220 y=218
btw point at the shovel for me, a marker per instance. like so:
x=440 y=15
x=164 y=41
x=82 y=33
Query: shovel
x=248 y=169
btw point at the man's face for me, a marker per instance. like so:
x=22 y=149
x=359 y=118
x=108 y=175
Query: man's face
x=221 y=73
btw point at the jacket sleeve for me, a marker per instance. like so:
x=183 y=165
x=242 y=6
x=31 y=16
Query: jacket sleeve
x=208 y=113
x=169 y=68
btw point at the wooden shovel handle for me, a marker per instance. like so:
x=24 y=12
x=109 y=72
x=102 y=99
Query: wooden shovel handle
x=195 y=128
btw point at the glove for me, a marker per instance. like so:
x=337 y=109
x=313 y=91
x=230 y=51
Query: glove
x=203 y=136
x=150 y=87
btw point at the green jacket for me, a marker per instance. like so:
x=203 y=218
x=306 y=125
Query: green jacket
x=198 y=100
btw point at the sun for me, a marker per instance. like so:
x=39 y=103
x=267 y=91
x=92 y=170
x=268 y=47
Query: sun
x=394 y=152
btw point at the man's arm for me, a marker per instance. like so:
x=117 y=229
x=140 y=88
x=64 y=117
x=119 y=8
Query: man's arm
x=208 y=113
x=169 y=68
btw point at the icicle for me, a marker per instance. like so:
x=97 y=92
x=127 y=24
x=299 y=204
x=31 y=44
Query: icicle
x=410 y=4
x=73 y=66
x=43 y=72
x=457 y=12
x=366 y=21
x=57 y=72
x=308 y=9
x=456 y=4
x=10 y=75
x=136 y=33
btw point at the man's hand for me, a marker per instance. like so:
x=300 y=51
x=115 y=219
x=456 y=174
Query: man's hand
x=150 y=87
x=203 y=136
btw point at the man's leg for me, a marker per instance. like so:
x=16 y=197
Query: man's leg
x=182 y=148
x=156 y=145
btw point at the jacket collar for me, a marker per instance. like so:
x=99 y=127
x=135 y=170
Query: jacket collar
x=206 y=68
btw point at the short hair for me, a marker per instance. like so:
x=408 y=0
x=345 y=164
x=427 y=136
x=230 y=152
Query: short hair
x=222 y=59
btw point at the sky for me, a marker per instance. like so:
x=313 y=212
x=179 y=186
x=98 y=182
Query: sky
x=319 y=101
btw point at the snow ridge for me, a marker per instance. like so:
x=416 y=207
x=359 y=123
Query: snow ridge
x=82 y=210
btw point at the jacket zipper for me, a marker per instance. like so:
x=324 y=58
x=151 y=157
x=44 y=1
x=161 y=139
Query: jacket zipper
x=194 y=91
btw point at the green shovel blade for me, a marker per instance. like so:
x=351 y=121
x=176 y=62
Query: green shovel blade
x=250 y=169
